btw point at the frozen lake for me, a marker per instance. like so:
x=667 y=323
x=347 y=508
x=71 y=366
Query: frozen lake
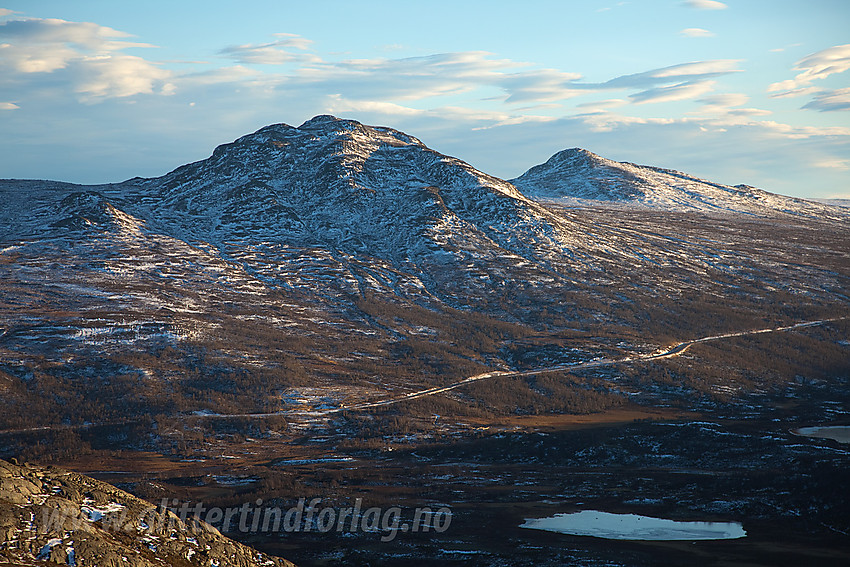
x=634 y=527
x=840 y=433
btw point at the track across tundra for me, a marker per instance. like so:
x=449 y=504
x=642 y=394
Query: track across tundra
x=675 y=350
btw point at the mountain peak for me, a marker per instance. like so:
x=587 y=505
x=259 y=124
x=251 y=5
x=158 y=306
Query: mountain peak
x=325 y=121
x=578 y=157
x=339 y=184
x=578 y=175
x=322 y=118
x=328 y=124
x=323 y=124
x=577 y=152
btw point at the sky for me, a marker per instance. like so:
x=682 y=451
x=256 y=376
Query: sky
x=738 y=91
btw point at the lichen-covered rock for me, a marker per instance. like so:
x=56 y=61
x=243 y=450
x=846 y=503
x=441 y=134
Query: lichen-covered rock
x=49 y=516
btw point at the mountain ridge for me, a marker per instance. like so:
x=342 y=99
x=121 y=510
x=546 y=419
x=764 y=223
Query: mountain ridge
x=579 y=177
x=384 y=212
x=256 y=176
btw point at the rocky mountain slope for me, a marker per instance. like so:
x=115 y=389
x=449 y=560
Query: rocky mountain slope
x=329 y=183
x=64 y=518
x=354 y=260
x=373 y=209
x=577 y=176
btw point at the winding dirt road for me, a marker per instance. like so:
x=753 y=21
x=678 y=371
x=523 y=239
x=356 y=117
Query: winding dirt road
x=676 y=350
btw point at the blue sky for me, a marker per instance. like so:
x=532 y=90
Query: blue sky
x=754 y=92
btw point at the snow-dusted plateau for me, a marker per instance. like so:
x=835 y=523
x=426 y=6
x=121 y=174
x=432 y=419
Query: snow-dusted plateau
x=338 y=311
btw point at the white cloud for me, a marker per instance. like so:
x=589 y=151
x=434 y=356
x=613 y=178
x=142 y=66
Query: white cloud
x=802 y=132
x=437 y=75
x=814 y=67
x=602 y=105
x=338 y=105
x=684 y=72
x=88 y=56
x=833 y=163
x=671 y=93
x=720 y=109
x=825 y=101
x=419 y=78
x=610 y=122
x=109 y=76
x=696 y=32
x=706 y=4
x=725 y=100
x=456 y=101
x=89 y=59
x=541 y=85
x=273 y=53
x=539 y=106
x=5 y=12
x=295 y=41
x=609 y=8
x=781 y=49
x=796 y=92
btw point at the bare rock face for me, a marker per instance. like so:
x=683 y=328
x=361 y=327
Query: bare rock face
x=51 y=516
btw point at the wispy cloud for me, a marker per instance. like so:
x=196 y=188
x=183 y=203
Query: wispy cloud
x=826 y=101
x=814 y=67
x=477 y=119
x=448 y=98
x=706 y=4
x=600 y=105
x=540 y=85
x=781 y=49
x=684 y=72
x=667 y=84
x=796 y=92
x=725 y=100
x=420 y=78
x=723 y=109
x=672 y=93
x=273 y=53
x=609 y=8
x=833 y=163
x=91 y=58
x=803 y=132
x=294 y=40
x=696 y=32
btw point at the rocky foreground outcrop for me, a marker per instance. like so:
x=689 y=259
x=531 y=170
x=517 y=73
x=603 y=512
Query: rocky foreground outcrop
x=51 y=516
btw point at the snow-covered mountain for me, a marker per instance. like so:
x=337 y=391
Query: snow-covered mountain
x=336 y=203
x=345 y=186
x=580 y=177
x=332 y=184
x=336 y=250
